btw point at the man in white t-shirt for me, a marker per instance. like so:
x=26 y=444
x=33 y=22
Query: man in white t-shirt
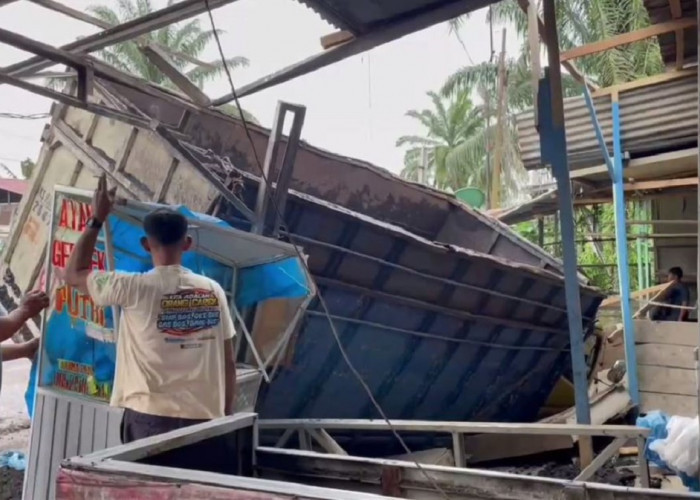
x=175 y=355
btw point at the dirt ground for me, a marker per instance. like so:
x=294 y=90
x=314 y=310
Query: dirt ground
x=14 y=424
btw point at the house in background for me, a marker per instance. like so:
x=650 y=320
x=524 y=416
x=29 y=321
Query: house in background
x=11 y=191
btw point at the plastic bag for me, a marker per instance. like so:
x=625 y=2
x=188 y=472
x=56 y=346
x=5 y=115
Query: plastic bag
x=14 y=460
x=657 y=423
x=680 y=448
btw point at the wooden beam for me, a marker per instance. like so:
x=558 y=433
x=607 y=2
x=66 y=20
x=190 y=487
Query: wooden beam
x=166 y=66
x=329 y=424
x=614 y=301
x=495 y=198
x=82 y=62
x=677 y=13
x=96 y=21
x=129 y=30
x=570 y=67
x=600 y=460
x=627 y=38
x=386 y=33
x=533 y=40
x=336 y=38
x=69 y=100
x=661 y=184
x=646 y=82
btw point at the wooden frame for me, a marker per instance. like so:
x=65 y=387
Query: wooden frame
x=312 y=427
x=353 y=478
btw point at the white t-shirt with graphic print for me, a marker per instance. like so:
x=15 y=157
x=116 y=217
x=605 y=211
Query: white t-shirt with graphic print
x=170 y=348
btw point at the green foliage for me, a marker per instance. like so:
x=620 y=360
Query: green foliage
x=585 y=21
x=595 y=247
x=189 y=39
x=451 y=143
x=579 y=22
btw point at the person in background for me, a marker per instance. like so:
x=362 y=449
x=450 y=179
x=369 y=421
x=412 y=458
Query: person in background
x=31 y=305
x=677 y=295
x=175 y=353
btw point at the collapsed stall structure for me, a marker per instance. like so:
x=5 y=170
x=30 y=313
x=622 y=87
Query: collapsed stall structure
x=425 y=288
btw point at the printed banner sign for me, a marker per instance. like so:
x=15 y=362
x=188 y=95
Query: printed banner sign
x=78 y=341
x=78 y=344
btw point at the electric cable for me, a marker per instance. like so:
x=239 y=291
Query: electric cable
x=321 y=300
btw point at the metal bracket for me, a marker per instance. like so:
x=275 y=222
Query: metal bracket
x=268 y=224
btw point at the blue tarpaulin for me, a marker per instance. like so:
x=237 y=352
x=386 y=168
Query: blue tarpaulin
x=77 y=355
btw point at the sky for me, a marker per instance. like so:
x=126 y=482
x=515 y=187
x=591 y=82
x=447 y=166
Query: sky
x=356 y=107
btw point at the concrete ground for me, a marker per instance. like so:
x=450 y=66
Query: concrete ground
x=14 y=421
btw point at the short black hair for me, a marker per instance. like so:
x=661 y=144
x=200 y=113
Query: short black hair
x=676 y=271
x=166 y=226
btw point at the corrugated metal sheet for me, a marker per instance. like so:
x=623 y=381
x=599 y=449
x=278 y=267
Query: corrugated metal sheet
x=437 y=332
x=64 y=427
x=659 y=12
x=654 y=119
x=353 y=184
x=361 y=16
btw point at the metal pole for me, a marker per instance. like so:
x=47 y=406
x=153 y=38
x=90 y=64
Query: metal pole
x=622 y=254
x=552 y=132
x=554 y=152
x=639 y=261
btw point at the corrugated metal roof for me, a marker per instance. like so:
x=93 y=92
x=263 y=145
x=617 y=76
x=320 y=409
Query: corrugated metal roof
x=659 y=12
x=357 y=185
x=655 y=119
x=362 y=16
x=17 y=186
x=437 y=332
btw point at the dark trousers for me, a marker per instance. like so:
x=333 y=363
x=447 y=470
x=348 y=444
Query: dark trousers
x=137 y=425
x=230 y=454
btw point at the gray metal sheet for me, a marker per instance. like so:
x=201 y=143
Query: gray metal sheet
x=654 y=119
x=361 y=16
x=62 y=427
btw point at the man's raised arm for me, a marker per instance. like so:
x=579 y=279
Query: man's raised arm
x=80 y=261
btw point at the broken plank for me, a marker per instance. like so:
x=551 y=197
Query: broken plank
x=336 y=38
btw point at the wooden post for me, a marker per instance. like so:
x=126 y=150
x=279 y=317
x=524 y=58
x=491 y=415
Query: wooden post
x=500 y=108
x=533 y=36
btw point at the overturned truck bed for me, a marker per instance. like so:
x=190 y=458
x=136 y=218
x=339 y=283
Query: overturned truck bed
x=446 y=313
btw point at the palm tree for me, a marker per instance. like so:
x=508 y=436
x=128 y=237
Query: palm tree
x=580 y=22
x=452 y=160
x=188 y=38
